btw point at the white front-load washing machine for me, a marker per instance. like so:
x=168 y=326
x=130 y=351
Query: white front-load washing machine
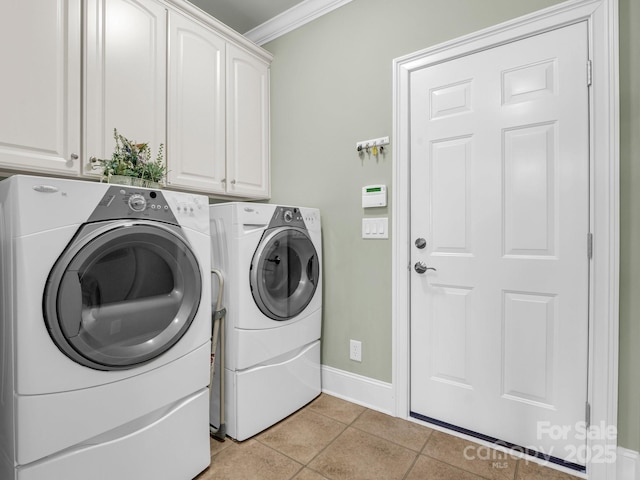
x=105 y=331
x=270 y=256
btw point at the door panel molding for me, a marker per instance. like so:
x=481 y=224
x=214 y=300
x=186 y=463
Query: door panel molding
x=602 y=18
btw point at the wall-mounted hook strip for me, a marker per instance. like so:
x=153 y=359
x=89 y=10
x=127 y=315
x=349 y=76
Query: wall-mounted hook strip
x=370 y=144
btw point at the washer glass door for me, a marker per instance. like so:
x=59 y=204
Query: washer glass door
x=284 y=273
x=122 y=293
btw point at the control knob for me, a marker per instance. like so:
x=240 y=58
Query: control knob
x=137 y=202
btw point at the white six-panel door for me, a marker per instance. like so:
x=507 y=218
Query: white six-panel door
x=500 y=195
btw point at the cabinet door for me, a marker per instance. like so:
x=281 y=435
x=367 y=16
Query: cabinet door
x=196 y=136
x=40 y=86
x=125 y=82
x=247 y=124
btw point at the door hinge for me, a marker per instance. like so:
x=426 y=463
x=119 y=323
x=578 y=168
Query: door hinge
x=587 y=415
x=589 y=73
x=590 y=245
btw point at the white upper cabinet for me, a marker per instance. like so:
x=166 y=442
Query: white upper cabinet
x=196 y=108
x=161 y=72
x=40 y=86
x=125 y=75
x=247 y=124
x=218 y=138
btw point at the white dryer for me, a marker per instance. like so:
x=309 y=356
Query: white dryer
x=271 y=258
x=105 y=331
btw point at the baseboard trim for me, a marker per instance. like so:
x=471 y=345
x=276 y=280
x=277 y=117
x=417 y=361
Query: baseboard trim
x=627 y=464
x=358 y=389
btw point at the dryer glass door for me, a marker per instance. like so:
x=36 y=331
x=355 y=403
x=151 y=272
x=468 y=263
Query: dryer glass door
x=284 y=273
x=121 y=295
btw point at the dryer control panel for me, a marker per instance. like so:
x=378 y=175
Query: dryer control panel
x=127 y=202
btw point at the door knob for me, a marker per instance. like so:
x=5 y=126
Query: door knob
x=421 y=243
x=421 y=267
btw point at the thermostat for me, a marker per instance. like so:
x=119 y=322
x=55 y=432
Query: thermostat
x=374 y=196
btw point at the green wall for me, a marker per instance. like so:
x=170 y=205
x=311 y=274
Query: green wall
x=629 y=379
x=331 y=86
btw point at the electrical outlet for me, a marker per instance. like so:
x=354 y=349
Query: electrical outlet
x=355 y=350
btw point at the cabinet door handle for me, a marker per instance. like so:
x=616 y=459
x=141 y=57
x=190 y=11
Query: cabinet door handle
x=224 y=180
x=233 y=182
x=74 y=156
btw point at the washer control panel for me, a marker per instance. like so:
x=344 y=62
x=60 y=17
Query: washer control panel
x=312 y=219
x=287 y=216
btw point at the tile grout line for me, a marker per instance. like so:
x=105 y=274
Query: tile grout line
x=346 y=426
x=413 y=464
x=302 y=465
x=422 y=452
x=418 y=452
x=517 y=469
x=306 y=465
x=355 y=427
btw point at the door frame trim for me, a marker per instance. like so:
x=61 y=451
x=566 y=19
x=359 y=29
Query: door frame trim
x=602 y=18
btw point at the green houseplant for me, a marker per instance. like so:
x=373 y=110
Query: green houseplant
x=131 y=164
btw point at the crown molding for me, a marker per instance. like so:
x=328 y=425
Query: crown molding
x=197 y=13
x=291 y=19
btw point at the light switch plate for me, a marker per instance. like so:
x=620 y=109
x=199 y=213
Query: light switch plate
x=375 y=228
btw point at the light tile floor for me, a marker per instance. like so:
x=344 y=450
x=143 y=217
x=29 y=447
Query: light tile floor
x=333 y=439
